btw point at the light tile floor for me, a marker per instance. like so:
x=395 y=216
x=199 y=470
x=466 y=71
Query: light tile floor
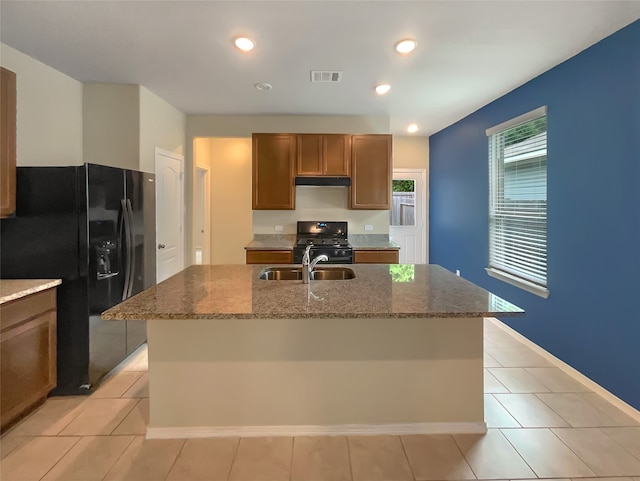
x=542 y=424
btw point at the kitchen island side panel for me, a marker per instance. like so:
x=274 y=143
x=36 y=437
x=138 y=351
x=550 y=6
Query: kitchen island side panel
x=216 y=377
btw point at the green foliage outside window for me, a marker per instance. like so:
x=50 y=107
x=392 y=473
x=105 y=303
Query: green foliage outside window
x=403 y=185
x=522 y=132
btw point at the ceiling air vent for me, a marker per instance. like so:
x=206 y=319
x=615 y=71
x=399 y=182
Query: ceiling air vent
x=326 y=76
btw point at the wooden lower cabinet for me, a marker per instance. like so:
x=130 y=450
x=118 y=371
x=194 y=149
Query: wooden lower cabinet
x=378 y=256
x=28 y=352
x=269 y=257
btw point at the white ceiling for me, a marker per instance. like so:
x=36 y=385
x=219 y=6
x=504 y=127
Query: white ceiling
x=469 y=52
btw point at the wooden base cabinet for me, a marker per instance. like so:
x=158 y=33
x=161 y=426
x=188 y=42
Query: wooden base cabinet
x=269 y=257
x=28 y=351
x=377 y=256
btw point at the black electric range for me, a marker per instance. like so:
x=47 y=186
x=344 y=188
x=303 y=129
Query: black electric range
x=328 y=238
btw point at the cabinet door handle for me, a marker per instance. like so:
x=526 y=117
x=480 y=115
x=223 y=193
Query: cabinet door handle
x=161 y=246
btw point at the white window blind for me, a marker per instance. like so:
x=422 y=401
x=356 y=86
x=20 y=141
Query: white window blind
x=518 y=199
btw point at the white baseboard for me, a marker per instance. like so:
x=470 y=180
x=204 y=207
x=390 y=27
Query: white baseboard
x=333 y=430
x=574 y=373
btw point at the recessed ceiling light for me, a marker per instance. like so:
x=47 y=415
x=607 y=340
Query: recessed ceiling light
x=244 y=43
x=263 y=86
x=382 y=89
x=406 y=46
x=412 y=128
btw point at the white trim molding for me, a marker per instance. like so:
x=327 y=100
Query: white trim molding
x=574 y=373
x=516 y=281
x=335 y=430
x=520 y=119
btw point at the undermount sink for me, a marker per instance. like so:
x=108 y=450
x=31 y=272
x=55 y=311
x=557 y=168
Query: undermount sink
x=295 y=274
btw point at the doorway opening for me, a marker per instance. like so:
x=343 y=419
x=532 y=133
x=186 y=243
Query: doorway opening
x=408 y=219
x=202 y=215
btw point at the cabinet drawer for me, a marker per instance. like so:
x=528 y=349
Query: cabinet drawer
x=389 y=256
x=23 y=309
x=270 y=257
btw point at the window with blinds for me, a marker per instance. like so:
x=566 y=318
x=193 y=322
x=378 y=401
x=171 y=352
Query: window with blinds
x=518 y=201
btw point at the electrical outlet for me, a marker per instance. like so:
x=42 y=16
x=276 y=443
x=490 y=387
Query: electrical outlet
x=368 y=227
x=278 y=228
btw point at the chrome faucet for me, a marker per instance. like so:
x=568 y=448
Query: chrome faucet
x=309 y=265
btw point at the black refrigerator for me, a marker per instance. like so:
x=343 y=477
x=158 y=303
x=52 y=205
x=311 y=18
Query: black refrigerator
x=93 y=227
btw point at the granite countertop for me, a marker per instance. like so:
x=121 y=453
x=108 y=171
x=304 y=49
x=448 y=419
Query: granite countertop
x=287 y=241
x=271 y=241
x=235 y=292
x=12 y=289
x=372 y=242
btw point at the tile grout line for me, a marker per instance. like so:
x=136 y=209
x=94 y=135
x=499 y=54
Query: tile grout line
x=464 y=457
x=293 y=447
x=62 y=456
x=235 y=456
x=619 y=443
x=184 y=443
x=133 y=438
x=569 y=448
x=520 y=454
x=520 y=426
x=404 y=450
x=566 y=420
x=125 y=416
x=349 y=455
x=572 y=372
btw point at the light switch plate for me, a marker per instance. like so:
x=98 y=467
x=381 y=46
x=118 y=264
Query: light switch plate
x=368 y=227
x=278 y=228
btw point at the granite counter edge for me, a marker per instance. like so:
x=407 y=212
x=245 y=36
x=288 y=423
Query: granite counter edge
x=36 y=285
x=149 y=316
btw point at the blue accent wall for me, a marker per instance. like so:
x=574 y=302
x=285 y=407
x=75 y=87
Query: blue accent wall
x=591 y=319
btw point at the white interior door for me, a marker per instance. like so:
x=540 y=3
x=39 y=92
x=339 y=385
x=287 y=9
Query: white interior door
x=169 y=214
x=202 y=216
x=408 y=226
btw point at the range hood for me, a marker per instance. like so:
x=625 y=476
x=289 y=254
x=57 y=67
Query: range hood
x=340 y=181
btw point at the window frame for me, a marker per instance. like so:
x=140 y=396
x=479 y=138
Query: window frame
x=494 y=271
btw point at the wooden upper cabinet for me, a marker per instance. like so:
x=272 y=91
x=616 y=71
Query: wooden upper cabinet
x=323 y=154
x=371 y=172
x=274 y=157
x=309 y=158
x=7 y=142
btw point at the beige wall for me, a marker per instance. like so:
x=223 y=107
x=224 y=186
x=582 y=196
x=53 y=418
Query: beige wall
x=245 y=125
x=49 y=110
x=230 y=199
x=161 y=125
x=411 y=152
x=124 y=123
x=111 y=124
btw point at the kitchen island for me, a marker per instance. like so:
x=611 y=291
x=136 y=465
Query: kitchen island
x=398 y=349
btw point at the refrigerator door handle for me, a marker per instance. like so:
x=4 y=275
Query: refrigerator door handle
x=132 y=248
x=127 y=243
